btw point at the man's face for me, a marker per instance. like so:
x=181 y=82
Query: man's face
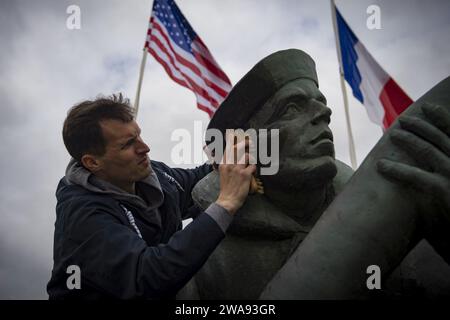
x=125 y=160
x=306 y=152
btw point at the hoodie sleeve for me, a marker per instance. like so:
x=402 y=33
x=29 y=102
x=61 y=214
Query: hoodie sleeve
x=115 y=260
x=187 y=178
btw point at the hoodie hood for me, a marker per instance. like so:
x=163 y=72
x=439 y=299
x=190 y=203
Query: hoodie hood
x=149 y=189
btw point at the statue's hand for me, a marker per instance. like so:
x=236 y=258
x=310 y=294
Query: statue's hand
x=428 y=143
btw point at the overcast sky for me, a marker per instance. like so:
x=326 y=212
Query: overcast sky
x=46 y=68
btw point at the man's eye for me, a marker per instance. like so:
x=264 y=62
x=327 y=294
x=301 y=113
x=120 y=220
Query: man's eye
x=128 y=144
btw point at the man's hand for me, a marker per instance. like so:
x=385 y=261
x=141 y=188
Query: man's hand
x=428 y=143
x=235 y=174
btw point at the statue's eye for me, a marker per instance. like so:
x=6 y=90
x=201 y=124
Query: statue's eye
x=290 y=108
x=322 y=99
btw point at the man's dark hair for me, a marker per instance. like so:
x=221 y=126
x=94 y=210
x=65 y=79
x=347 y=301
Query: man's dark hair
x=82 y=132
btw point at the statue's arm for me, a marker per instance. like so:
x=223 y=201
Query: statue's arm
x=427 y=141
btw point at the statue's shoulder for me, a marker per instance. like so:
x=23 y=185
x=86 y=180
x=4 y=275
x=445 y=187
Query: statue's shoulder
x=207 y=190
x=257 y=216
x=344 y=173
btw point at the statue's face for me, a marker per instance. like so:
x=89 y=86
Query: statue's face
x=306 y=155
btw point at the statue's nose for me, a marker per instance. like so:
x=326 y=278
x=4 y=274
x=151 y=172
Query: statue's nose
x=322 y=115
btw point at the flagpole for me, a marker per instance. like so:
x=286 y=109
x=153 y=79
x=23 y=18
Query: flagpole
x=344 y=91
x=141 y=75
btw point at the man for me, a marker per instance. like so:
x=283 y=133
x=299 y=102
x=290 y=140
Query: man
x=281 y=92
x=119 y=214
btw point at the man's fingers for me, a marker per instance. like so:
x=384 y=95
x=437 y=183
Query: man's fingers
x=235 y=151
x=250 y=169
x=240 y=151
x=424 y=153
x=246 y=159
x=243 y=159
x=439 y=115
x=229 y=141
x=407 y=175
x=231 y=152
x=427 y=131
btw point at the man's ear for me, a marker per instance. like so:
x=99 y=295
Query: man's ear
x=91 y=162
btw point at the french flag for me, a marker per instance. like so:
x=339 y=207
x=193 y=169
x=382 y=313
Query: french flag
x=371 y=85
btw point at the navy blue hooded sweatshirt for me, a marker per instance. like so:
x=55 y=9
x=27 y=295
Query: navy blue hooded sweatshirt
x=128 y=246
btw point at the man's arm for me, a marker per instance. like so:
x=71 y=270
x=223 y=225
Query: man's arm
x=116 y=261
x=233 y=190
x=187 y=178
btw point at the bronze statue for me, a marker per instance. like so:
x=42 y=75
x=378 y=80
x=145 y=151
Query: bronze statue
x=368 y=220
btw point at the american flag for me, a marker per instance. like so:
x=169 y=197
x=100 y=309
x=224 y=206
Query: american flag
x=186 y=59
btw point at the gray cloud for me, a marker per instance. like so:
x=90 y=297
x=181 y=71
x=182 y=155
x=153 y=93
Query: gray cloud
x=47 y=68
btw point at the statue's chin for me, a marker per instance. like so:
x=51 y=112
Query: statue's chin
x=301 y=174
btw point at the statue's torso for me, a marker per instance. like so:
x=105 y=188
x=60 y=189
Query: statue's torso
x=261 y=239
x=258 y=243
